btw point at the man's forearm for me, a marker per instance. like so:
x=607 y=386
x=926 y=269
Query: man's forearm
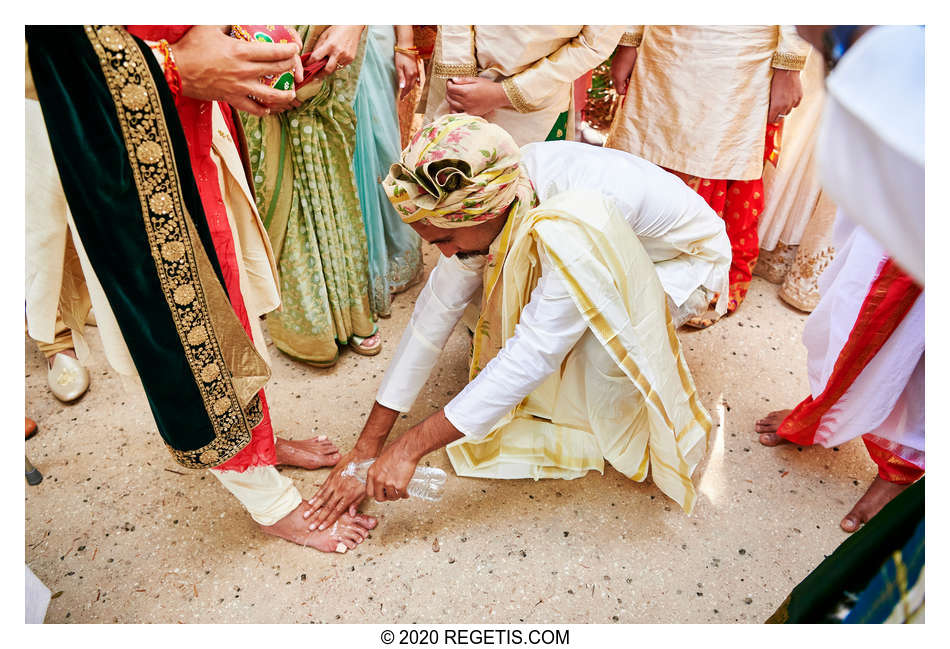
x=431 y=434
x=376 y=430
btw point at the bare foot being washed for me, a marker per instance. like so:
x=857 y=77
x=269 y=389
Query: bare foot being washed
x=878 y=494
x=307 y=453
x=348 y=532
x=768 y=425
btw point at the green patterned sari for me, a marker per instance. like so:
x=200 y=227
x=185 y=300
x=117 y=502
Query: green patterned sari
x=301 y=161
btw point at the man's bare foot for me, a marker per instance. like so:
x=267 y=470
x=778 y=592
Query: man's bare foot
x=348 y=532
x=878 y=494
x=307 y=453
x=768 y=425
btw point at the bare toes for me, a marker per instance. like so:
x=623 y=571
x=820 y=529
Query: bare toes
x=770 y=439
x=851 y=523
x=360 y=531
x=367 y=522
x=771 y=422
x=879 y=493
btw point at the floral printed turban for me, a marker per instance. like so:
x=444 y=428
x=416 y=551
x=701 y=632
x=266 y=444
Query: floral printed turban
x=457 y=172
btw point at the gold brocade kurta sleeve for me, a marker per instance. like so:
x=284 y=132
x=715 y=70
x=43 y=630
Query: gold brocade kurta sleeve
x=791 y=51
x=537 y=65
x=538 y=84
x=632 y=36
x=698 y=97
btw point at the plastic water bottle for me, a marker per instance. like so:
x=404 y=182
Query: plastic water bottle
x=427 y=482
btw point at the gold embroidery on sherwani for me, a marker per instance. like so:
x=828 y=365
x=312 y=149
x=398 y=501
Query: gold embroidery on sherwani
x=227 y=370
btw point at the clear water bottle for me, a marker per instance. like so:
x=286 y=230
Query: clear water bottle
x=427 y=482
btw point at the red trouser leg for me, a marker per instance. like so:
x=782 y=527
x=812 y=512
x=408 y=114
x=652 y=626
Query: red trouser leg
x=739 y=203
x=744 y=202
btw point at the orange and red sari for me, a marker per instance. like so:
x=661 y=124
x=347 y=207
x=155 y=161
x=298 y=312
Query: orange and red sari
x=890 y=298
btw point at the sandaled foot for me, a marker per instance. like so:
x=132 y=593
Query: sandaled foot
x=703 y=321
x=369 y=346
x=768 y=425
x=345 y=534
x=312 y=453
x=878 y=494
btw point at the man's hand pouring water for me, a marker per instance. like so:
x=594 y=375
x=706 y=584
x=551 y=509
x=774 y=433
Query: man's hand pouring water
x=389 y=476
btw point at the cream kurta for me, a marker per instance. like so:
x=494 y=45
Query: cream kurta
x=698 y=96
x=537 y=65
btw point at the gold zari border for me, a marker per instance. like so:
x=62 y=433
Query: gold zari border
x=513 y=92
x=445 y=70
x=152 y=162
x=786 y=61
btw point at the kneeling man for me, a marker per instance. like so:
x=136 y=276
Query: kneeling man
x=575 y=357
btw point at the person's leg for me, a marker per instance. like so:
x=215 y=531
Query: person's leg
x=713 y=191
x=274 y=503
x=743 y=204
x=234 y=235
x=897 y=448
x=62 y=344
x=871 y=502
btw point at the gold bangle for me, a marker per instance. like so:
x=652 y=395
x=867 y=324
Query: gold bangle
x=411 y=51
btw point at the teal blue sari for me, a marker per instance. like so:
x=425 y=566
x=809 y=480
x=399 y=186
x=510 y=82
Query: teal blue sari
x=395 y=256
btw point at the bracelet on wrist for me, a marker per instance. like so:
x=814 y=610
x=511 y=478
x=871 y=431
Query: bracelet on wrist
x=172 y=74
x=411 y=51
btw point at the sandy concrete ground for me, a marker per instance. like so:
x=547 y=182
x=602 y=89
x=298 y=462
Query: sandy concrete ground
x=127 y=535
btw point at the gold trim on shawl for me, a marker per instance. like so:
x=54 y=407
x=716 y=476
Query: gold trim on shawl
x=227 y=370
x=491 y=273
